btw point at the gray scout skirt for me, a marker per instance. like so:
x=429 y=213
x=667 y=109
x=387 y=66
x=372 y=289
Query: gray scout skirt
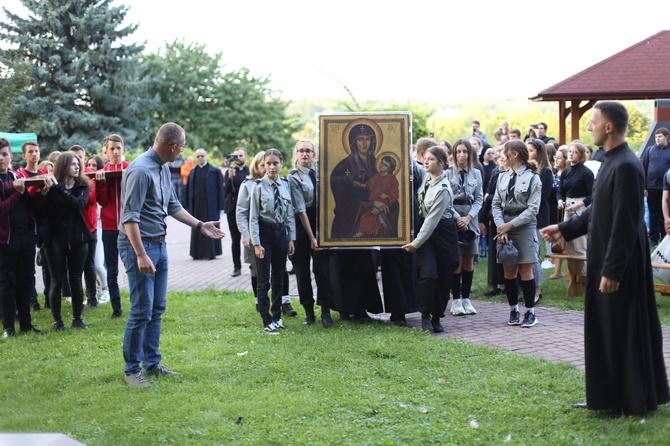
x=525 y=240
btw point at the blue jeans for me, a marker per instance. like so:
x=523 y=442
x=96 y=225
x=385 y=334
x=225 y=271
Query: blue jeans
x=147 y=305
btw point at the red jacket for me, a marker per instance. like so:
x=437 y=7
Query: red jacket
x=8 y=199
x=108 y=195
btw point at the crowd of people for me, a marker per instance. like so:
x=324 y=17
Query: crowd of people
x=511 y=193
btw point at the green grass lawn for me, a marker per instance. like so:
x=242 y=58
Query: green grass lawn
x=353 y=384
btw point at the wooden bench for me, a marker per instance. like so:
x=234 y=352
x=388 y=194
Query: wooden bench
x=575 y=278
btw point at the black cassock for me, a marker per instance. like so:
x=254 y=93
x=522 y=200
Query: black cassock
x=625 y=369
x=202 y=247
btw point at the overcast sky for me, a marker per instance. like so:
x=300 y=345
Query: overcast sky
x=420 y=50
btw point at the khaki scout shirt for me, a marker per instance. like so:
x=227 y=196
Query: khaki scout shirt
x=437 y=205
x=523 y=208
x=263 y=207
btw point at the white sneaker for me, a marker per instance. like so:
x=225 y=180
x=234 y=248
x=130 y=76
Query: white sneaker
x=279 y=324
x=547 y=264
x=457 y=307
x=103 y=298
x=271 y=329
x=468 y=308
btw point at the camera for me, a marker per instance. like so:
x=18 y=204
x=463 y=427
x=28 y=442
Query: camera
x=231 y=158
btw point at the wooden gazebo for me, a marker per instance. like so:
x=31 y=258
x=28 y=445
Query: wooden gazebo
x=641 y=71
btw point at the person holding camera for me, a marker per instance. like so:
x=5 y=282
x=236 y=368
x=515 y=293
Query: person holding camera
x=236 y=174
x=479 y=134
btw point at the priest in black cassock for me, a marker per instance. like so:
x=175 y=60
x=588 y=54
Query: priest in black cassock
x=625 y=369
x=204 y=200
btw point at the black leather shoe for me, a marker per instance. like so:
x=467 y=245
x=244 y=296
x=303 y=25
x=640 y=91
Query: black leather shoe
x=32 y=329
x=309 y=319
x=426 y=324
x=8 y=333
x=78 y=323
x=236 y=272
x=326 y=319
x=93 y=303
x=288 y=310
x=437 y=327
x=117 y=314
x=59 y=326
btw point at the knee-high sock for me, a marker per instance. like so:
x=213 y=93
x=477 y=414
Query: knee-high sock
x=456 y=286
x=467 y=283
x=528 y=287
x=512 y=290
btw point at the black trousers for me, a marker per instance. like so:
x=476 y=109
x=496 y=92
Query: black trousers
x=303 y=258
x=17 y=272
x=58 y=250
x=438 y=259
x=271 y=269
x=235 y=238
x=90 y=277
x=656 y=226
x=111 y=249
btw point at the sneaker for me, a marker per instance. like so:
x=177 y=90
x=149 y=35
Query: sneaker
x=92 y=303
x=279 y=324
x=78 y=323
x=271 y=329
x=136 y=379
x=8 y=333
x=104 y=297
x=59 y=326
x=514 y=318
x=468 y=308
x=529 y=320
x=426 y=323
x=288 y=310
x=309 y=319
x=457 y=307
x=161 y=370
x=547 y=264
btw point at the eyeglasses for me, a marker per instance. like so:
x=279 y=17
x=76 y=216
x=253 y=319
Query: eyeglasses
x=180 y=147
x=305 y=151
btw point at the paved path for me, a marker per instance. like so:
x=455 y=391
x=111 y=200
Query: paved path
x=558 y=337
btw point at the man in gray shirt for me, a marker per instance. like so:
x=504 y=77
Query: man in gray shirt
x=147 y=199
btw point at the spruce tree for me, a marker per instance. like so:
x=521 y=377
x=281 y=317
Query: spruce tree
x=84 y=83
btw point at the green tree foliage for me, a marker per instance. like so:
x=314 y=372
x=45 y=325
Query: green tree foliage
x=12 y=82
x=83 y=82
x=219 y=111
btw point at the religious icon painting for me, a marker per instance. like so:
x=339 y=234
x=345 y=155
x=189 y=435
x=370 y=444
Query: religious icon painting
x=364 y=187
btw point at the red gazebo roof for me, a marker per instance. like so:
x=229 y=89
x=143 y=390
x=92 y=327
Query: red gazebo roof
x=641 y=71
